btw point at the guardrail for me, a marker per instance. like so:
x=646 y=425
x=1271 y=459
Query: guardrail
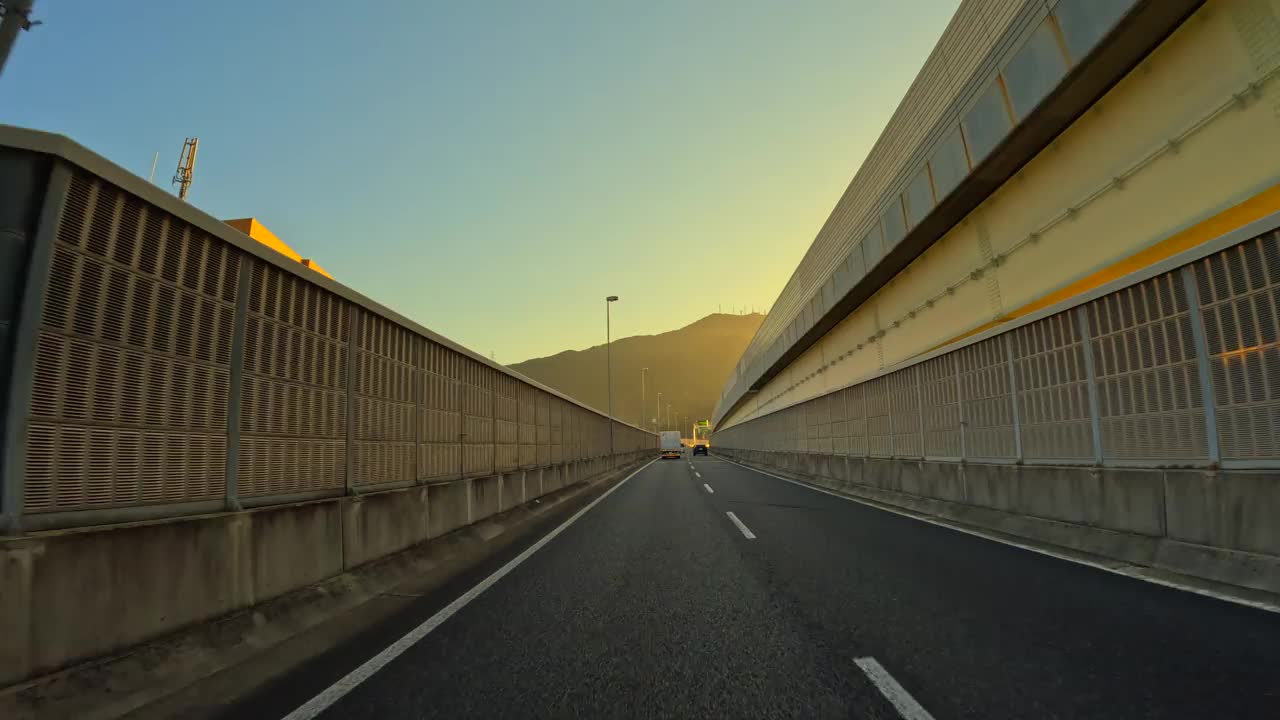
x=158 y=363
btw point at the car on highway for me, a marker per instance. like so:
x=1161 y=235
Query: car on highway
x=700 y=449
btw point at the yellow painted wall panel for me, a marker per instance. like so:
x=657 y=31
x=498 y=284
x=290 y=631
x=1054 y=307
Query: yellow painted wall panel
x=959 y=312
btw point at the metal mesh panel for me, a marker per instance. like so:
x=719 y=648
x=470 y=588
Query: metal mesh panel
x=809 y=438
x=879 y=426
x=587 y=424
x=385 y=444
x=129 y=396
x=987 y=400
x=1239 y=295
x=821 y=409
x=507 y=425
x=904 y=401
x=856 y=419
x=941 y=400
x=839 y=423
x=1149 y=399
x=586 y=431
x=440 y=418
x=543 y=420
x=557 y=431
x=528 y=433
x=568 y=421
x=293 y=401
x=800 y=436
x=1053 y=397
x=477 y=411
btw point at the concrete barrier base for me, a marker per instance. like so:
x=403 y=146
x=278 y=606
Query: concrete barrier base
x=96 y=622
x=1207 y=525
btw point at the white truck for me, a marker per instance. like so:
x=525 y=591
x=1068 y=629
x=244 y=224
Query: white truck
x=670 y=444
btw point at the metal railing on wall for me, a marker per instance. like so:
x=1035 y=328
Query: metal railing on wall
x=1174 y=366
x=165 y=366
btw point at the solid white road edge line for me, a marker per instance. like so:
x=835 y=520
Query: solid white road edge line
x=334 y=692
x=1130 y=571
x=906 y=705
x=708 y=487
x=745 y=530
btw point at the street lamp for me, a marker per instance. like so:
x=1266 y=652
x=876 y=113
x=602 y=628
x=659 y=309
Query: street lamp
x=657 y=418
x=608 y=353
x=643 y=372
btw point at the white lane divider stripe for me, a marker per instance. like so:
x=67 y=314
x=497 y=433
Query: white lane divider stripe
x=745 y=530
x=695 y=472
x=906 y=705
x=336 y=691
x=708 y=487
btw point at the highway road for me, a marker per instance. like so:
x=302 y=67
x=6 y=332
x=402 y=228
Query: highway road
x=699 y=588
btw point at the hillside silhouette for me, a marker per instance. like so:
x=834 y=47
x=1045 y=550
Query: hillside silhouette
x=688 y=366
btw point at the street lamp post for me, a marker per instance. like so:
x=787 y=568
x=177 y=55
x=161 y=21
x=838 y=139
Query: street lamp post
x=608 y=352
x=657 y=417
x=643 y=372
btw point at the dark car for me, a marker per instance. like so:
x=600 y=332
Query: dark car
x=699 y=449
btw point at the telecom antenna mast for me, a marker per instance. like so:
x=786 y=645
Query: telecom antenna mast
x=186 y=167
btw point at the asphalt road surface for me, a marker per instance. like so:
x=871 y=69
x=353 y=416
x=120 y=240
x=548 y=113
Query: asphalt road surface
x=699 y=588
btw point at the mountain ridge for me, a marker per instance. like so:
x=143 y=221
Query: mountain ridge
x=688 y=365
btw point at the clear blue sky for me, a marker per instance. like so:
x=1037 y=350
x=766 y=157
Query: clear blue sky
x=493 y=170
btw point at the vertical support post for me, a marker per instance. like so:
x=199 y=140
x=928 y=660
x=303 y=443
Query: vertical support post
x=461 y=395
x=417 y=382
x=1013 y=397
x=964 y=440
x=26 y=329
x=1203 y=365
x=924 y=435
x=893 y=446
x=844 y=400
x=608 y=351
x=353 y=316
x=1086 y=345
x=239 y=328
x=495 y=380
x=866 y=424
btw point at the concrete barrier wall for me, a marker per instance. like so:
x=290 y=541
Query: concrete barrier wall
x=212 y=374
x=71 y=595
x=157 y=363
x=1217 y=525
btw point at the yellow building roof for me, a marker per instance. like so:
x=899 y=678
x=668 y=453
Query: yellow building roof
x=257 y=231
x=316 y=266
